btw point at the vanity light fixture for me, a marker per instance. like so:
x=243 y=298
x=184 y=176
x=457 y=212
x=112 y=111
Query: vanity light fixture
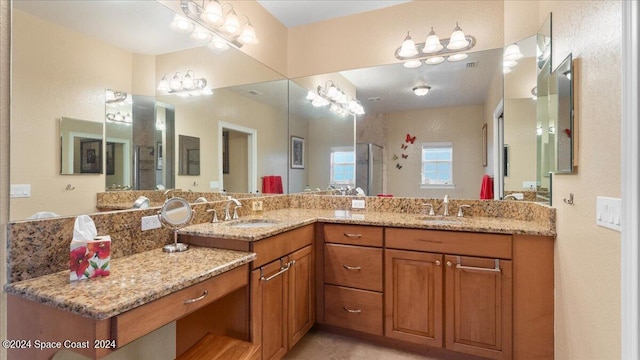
x=215 y=23
x=534 y=93
x=119 y=118
x=115 y=96
x=434 y=50
x=187 y=85
x=340 y=103
x=421 y=90
x=510 y=57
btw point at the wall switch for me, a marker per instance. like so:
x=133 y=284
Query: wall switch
x=150 y=222
x=20 y=191
x=256 y=205
x=529 y=185
x=608 y=212
x=357 y=204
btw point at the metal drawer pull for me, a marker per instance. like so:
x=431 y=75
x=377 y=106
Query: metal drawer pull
x=353 y=236
x=191 y=301
x=495 y=269
x=283 y=269
x=356 y=311
x=354 y=268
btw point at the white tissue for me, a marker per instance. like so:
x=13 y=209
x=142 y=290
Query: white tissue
x=84 y=228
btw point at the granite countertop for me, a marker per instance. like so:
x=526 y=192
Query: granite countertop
x=289 y=219
x=134 y=280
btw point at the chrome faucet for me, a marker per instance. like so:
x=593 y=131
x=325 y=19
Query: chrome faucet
x=227 y=216
x=461 y=212
x=445 y=202
x=167 y=192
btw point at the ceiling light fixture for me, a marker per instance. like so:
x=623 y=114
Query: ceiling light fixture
x=215 y=23
x=187 y=85
x=434 y=50
x=421 y=90
x=340 y=103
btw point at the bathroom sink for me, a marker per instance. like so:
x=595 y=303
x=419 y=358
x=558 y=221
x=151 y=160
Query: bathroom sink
x=251 y=223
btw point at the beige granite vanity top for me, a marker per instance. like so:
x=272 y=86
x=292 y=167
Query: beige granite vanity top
x=288 y=219
x=134 y=280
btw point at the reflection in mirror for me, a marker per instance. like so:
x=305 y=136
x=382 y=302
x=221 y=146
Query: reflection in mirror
x=189 y=155
x=119 y=134
x=564 y=78
x=81 y=146
x=328 y=141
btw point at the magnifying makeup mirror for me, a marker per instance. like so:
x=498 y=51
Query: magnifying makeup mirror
x=175 y=213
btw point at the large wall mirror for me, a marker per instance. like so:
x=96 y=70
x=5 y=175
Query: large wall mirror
x=397 y=122
x=77 y=46
x=80 y=147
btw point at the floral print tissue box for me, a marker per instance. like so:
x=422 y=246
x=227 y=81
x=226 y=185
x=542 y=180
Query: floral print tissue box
x=89 y=258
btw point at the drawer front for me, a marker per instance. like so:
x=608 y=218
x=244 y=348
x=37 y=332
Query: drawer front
x=353 y=234
x=450 y=242
x=142 y=320
x=354 y=309
x=353 y=266
x=277 y=246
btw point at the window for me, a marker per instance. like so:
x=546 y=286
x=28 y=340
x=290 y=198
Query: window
x=343 y=166
x=437 y=165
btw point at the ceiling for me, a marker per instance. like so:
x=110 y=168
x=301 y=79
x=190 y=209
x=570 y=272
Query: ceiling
x=301 y=12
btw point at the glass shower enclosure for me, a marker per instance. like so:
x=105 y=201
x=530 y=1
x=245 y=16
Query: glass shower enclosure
x=369 y=171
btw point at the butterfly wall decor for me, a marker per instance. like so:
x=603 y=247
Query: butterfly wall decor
x=398 y=166
x=410 y=139
x=405 y=156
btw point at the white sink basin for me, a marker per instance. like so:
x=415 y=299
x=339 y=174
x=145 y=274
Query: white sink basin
x=250 y=224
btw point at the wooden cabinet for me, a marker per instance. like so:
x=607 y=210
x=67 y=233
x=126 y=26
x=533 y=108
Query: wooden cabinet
x=283 y=292
x=413 y=297
x=461 y=303
x=353 y=277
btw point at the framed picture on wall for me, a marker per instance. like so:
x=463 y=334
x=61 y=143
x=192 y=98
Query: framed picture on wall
x=297 y=152
x=110 y=154
x=91 y=156
x=484 y=145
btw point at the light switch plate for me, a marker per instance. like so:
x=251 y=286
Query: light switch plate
x=20 y=190
x=529 y=185
x=609 y=212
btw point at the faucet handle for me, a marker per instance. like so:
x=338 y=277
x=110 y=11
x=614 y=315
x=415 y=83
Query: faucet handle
x=460 y=212
x=431 y=212
x=214 y=218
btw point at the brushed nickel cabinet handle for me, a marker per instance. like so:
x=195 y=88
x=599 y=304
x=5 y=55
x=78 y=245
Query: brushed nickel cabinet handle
x=431 y=241
x=353 y=268
x=449 y=263
x=191 y=301
x=437 y=262
x=353 y=311
x=496 y=267
x=353 y=236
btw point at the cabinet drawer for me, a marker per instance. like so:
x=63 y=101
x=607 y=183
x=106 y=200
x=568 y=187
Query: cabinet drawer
x=277 y=246
x=450 y=242
x=353 y=234
x=359 y=310
x=142 y=320
x=353 y=266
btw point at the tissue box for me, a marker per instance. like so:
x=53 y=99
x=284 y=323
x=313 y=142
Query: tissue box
x=89 y=258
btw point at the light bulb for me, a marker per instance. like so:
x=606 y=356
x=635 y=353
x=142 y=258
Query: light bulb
x=509 y=63
x=187 y=80
x=181 y=24
x=218 y=43
x=506 y=69
x=434 y=60
x=311 y=95
x=201 y=34
x=432 y=44
x=412 y=64
x=212 y=13
x=421 y=90
x=408 y=48
x=248 y=35
x=458 y=40
x=176 y=83
x=512 y=52
x=231 y=23
x=457 y=57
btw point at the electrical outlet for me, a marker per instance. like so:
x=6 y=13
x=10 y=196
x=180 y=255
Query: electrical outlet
x=150 y=222
x=357 y=204
x=256 y=205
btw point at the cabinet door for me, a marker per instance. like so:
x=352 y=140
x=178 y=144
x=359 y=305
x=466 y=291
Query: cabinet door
x=478 y=306
x=269 y=289
x=413 y=297
x=301 y=294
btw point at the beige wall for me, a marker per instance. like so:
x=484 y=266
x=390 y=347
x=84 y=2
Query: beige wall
x=236 y=179
x=520 y=136
x=460 y=125
x=56 y=68
x=371 y=38
x=587 y=261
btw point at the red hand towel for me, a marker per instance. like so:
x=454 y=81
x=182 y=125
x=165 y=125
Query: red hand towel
x=486 y=190
x=272 y=184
